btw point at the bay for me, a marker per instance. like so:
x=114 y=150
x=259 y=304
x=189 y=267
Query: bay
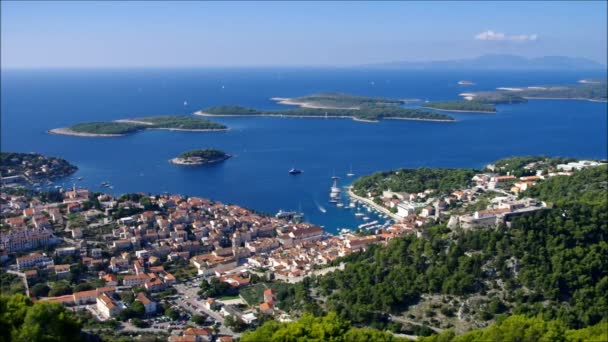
x=34 y=101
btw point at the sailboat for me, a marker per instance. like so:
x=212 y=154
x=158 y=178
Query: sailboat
x=294 y=171
x=350 y=173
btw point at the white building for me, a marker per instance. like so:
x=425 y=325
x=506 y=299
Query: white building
x=107 y=307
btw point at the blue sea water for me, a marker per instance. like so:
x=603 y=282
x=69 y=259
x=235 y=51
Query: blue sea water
x=34 y=101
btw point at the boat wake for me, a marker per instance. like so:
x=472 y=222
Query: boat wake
x=320 y=207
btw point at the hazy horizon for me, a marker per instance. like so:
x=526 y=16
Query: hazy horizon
x=302 y=34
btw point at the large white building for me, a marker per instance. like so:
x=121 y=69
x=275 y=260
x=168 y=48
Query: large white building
x=107 y=307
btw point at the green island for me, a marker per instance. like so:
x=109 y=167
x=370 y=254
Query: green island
x=32 y=167
x=370 y=113
x=200 y=157
x=593 y=91
x=461 y=106
x=339 y=101
x=130 y=126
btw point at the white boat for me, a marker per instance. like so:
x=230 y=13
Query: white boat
x=334 y=188
x=350 y=173
x=365 y=218
x=359 y=214
x=339 y=205
x=352 y=205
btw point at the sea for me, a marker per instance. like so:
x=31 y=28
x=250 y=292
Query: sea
x=264 y=148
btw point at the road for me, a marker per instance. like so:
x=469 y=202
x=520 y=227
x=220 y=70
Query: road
x=405 y=320
x=189 y=303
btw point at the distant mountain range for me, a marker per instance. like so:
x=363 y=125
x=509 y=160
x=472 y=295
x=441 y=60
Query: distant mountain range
x=498 y=62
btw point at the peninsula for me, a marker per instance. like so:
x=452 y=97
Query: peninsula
x=17 y=168
x=124 y=127
x=335 y=105
x=461 y=106
x=200 y=157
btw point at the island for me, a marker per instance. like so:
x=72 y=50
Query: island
x=335 y=105
x=339 y=101
x=461 y=106
x=124 y=127
x=590 y=91
x=200 y=157
x=20 y=168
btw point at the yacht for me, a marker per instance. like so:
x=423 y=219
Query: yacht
x=352 y=205
x=339 y=205
x=334 y=188
x=365 y=218
x=350 y=173
x=294 y=171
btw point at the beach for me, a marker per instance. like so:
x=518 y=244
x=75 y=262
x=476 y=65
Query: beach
x=67 y=131
x=290 y=102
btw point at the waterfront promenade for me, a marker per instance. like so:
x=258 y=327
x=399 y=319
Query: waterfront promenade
x=374 y=205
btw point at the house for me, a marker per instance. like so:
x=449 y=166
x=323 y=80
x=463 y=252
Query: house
x=250 y=318
x=107 y=307
x=135 y=280
x=33 y=260
x=62 y=271
x=270 y=296
x=267 y=308
x=405 y=209
x=193 y=335
x=155 y=285
x=110 y=279
x=306 y=234
x=84 y=297
x=66 y=251
x=427 y=211
x=149 y=304
x=357 y=243
x=76 y=233
x=211 y=304
x=74 y=208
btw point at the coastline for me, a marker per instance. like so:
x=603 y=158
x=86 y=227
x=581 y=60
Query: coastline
x=67 y=131
x=473 y=96
x=290 y=102
x=374 y=205
x=462 y=111
x=561 y=98
x=201 y=113
x=188 y=129
x=417 y=119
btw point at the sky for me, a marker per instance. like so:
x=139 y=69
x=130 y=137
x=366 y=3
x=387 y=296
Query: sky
x=54 y=34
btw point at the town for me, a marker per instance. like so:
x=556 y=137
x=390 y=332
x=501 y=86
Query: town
x=199 y=269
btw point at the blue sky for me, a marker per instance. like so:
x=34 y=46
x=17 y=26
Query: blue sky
x=148 y=34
